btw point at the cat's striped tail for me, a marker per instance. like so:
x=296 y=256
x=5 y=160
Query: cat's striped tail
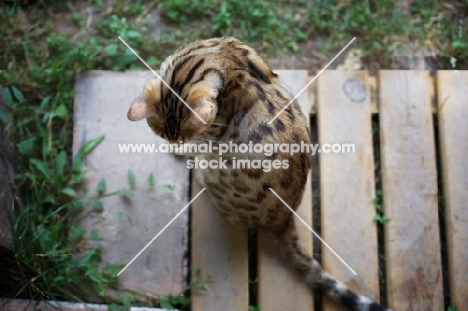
x=318 y=278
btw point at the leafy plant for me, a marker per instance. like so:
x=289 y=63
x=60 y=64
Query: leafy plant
x=51 y=259
x=252 y=21
x=379 y=216
x=181 y=10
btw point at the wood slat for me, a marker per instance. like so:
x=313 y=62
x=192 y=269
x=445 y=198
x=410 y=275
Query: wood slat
x=347 y=182
x=374 y=95
x=279 y=286
x=453 y=129
x=409 y=180
x=219 y=250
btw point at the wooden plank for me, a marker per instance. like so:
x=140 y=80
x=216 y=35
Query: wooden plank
x=453 y=129
x=276 y=275
x=347 y=182
x=409 y=181
x=374 y=95
x=219 y=250
x=101 y=103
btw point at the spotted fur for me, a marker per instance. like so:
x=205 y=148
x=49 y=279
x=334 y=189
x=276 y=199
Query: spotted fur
x=236 y=94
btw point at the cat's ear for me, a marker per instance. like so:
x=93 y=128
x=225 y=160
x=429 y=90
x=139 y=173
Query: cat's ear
x=203 y=112
x=202 y=102
x=144 y=106
x=140 y=109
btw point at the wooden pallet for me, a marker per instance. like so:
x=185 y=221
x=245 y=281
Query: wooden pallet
x=416 y=190
x=407 y=103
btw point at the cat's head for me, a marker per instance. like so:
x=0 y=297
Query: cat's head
x=169 y=117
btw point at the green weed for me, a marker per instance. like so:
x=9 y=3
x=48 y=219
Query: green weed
x=255 y=22
x=378 y=204
x=381 y=27
x=38 y=67
x=51 y=260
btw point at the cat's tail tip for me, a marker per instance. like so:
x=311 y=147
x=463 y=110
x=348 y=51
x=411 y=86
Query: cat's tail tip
x=369 y=305
x=339 y=292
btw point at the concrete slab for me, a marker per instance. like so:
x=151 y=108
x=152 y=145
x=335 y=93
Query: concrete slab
x=26 y=305
x=127 y=224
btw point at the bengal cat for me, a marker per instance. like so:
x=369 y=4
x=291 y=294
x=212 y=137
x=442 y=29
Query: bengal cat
x=233 y=94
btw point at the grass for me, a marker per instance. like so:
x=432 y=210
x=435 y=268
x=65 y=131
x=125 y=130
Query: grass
x=40 y=59
x=380 y=26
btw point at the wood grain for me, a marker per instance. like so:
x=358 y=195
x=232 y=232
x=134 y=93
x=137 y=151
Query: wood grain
x=347 y=182
x=219 y=250
x=453 y=137
x=409 y=180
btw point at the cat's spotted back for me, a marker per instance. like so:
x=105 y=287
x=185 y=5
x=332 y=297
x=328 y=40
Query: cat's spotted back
x=233 y=94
